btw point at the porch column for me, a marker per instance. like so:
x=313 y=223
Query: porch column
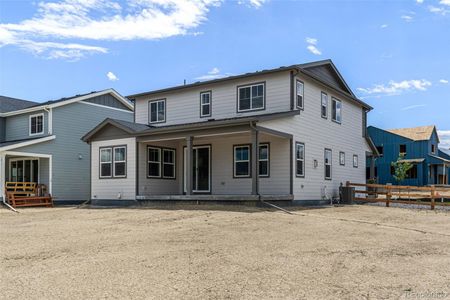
x=189 y=165
x=372 y=167
x=2 y=174
x=254 y=161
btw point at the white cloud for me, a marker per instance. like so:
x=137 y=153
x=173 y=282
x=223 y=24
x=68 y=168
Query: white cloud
x=438 y=10
x=214 y=73
x=384 y=26
x=253 y=3
x=443 y=81
x=419 y=1
x=104 y=20
x=312 y=42
x=413 y=106
x=445 y=2
x=444 y=137
x=407 y=18
x=396 y=88
x=111 y=76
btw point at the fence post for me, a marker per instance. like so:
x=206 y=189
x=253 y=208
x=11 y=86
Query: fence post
x=388 y=194
x=433 y=195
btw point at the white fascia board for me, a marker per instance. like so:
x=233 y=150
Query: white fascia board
x=28 y=143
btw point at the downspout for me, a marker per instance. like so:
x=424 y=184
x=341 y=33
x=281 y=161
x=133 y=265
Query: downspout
x=257 y=175
x=50 y=120
x=9 y=206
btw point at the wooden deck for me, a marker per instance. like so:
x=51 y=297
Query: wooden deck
x=215 y=197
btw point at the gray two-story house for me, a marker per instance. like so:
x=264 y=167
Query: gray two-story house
x=290 y=133
x=41 y=142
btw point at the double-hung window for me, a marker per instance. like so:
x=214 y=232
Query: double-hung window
x=328 y=164
x=342 y=158
x=157 y=111
x=36 y=124
x=300 y=159
x=300 y=90
x=168 y=163
x=251 y=97
x=324 y=105
x=120 y=161
x=241 y=161
x=355 y=161
x=264 y=160
x=113 y=162
x=154 y=162
x=336 y=110
x=205 y=104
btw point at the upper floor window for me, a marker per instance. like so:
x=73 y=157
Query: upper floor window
x=37 y=124
x=355 y=161
x=336 y=110
x=433 y=148
x=380 y=150
x=157 y=111
x=300 y=88
x=328 y=162
x=251 y=97
x=342 y=158
x=324 y=105
x=205 y=104
x=402 y=149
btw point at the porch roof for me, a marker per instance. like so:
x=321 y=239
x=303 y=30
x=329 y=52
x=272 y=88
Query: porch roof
x=24 y=142
x=441 y=160
x=136 y=129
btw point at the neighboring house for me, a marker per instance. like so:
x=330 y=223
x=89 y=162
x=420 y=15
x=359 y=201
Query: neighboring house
x=41 y=142
x=294 y=132
x=420 y=145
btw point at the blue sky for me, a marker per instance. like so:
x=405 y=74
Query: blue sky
x=395 y=55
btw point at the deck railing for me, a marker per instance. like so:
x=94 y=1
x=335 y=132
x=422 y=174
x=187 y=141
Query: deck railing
x=419 y=195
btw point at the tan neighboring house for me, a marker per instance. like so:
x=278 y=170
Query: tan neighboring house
x=291 y=133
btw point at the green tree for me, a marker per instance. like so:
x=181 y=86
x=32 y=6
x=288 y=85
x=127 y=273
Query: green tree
x=401 y=168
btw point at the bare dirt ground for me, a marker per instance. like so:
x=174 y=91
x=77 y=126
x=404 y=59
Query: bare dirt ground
x=225 y=252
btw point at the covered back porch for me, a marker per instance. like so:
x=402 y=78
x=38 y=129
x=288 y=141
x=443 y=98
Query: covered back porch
x=237 y=162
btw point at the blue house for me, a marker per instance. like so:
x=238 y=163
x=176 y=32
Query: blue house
x=420 y=146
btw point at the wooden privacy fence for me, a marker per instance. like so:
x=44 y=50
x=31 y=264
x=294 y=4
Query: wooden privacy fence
x=422 y=195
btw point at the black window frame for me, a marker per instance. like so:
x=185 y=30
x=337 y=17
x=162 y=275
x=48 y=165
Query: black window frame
x=302 y=106
x=163 y=163
x=322 y=94
x=209 y=104
x=330 y=164
x=249 y=146
x=303 y=160
x=112 y=162
x=150 y=111
x=334 y=102
x=341 y=155
x=158 y=162
x=251 y=85
x=265 y=160
x=400 y=149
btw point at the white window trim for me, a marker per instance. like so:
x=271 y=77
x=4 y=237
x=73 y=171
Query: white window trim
x=297 y=144
x=29 y=124
x=203 y=104
x=251 y=95
x=355 y=156
x=326 y=105
x=110 y=162
x=236 y=161
x=154 y=162
x=150 y=111
x=329 y=164
x=264 y=159
x=173 y=164
x=120 y=161
x=302 y=94
x=334 y=102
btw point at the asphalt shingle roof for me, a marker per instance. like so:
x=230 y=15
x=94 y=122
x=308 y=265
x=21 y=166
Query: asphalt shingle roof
x=8 y=104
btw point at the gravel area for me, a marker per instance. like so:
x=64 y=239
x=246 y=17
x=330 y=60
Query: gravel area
x=225 y=252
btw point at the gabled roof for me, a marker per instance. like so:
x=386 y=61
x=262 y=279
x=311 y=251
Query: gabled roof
x=324 y=71
x=136 y=129
x=69 y=100
x=8 y=104
x=422 y=133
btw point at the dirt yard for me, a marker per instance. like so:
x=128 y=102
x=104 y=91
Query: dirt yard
x=225 y=252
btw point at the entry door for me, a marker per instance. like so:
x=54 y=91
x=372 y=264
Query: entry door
x=201 y=180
